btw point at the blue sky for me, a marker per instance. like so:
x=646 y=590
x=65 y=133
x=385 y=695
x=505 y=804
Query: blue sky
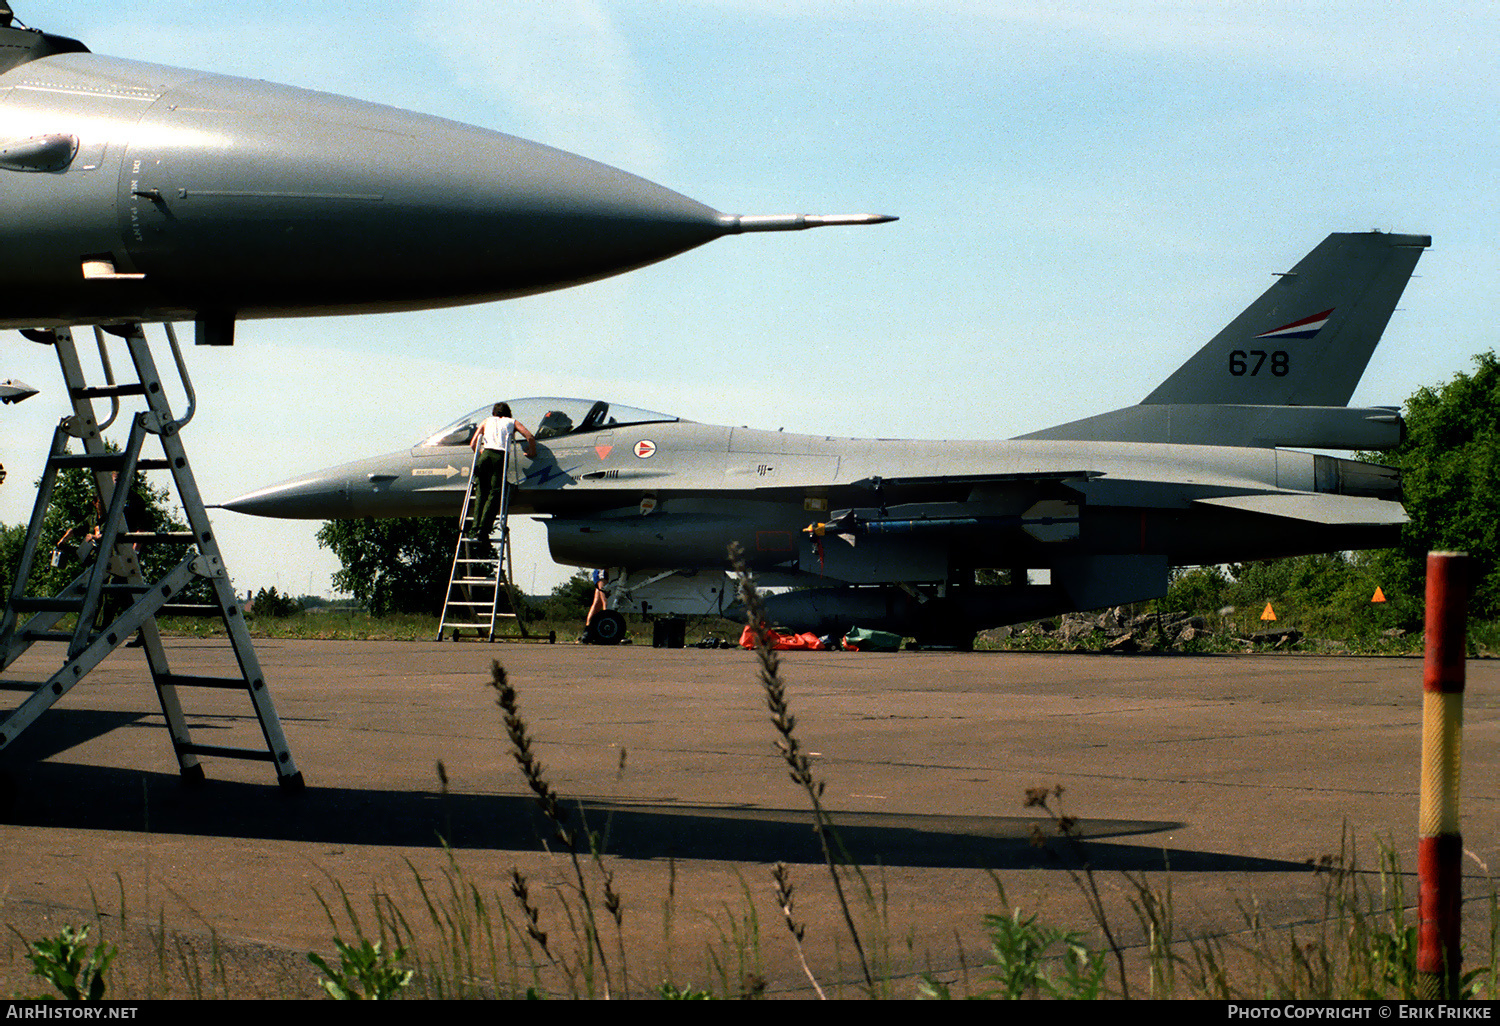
x=1087 y=192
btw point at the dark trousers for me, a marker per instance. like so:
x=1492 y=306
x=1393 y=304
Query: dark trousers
x=489 y=473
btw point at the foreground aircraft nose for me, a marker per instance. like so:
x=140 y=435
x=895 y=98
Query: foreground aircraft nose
x=191 y=196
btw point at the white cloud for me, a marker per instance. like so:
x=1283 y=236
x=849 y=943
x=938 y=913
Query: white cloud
x=561 y=66
x=1448 y=42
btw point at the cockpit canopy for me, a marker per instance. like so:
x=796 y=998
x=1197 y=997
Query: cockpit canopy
x=550 y=417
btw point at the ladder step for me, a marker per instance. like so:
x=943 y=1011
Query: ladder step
x=189 y=609
x=107 y=391
x=160 y=537
x=53 y=636
x=226 y=752
x=180 y=680
x=106 y=461
x=101 y=461
x=47 y=605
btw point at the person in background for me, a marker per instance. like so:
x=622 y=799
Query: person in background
x=492 y=443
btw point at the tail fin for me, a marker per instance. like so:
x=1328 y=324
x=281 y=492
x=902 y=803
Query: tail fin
x=1282 y=371
x=1307 y=340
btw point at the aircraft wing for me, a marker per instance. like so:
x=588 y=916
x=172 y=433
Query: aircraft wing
x=1316 y=508
x=934 y=485
x=974 y=479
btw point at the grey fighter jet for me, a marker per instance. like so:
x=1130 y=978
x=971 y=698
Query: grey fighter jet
x=133 y=192
x=12 y=391
x=889 y=533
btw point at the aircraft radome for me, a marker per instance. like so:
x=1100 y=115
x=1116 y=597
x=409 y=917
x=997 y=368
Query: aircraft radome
x=889 y=533
x=134 y=192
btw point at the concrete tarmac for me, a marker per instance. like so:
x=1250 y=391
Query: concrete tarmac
x=1219 y=777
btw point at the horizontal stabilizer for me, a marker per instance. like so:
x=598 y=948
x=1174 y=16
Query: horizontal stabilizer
x=1316 y=508
x=1306 y=427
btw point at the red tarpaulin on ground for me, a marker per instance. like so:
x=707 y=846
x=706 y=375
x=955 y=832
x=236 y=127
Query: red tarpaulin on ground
x=783 y=642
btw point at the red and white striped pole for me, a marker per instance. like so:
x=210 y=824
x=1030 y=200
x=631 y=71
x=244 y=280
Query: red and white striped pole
x=1439 y=844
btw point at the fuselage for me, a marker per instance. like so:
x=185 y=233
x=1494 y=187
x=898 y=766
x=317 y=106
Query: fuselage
x=669 y=492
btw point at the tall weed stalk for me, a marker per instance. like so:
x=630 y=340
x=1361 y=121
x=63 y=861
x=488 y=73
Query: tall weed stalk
x=798 y=762
x=566 y=834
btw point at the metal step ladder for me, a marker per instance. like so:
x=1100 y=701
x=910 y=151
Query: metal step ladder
x=480 y=582
x=110 y=600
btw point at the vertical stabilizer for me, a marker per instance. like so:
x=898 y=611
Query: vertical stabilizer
x=1306 y=341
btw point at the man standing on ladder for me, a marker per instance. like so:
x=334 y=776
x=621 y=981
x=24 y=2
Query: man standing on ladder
x=492 y=442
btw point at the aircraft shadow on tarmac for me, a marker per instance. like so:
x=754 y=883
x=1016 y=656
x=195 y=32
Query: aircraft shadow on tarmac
x=64 y=795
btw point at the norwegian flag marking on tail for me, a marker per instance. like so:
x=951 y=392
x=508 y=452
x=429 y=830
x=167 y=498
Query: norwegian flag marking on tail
x=1307 y=327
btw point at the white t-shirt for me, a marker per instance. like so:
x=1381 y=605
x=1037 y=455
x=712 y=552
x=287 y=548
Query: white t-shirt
x=497 y=432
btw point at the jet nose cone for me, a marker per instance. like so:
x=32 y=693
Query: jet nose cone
x=330 y=203
x=319 y=497
x=552 y=218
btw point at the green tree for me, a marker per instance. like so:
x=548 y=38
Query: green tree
x=74 y=504
x=393 y=566
x=272 y=603
x=12 y=537
x=1450 y=468
x=1198 y=589
x=1325 y=592
x=569 y=600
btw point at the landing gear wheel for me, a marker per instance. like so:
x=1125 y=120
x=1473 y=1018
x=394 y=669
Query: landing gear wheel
x=608 y=628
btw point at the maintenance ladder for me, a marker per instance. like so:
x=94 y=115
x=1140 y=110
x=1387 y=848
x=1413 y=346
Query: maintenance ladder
x=480 y=581
x=111 y=585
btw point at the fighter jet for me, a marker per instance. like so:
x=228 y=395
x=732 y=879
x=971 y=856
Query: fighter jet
x=12 y=391
x=134 y=192
x=890 y=533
